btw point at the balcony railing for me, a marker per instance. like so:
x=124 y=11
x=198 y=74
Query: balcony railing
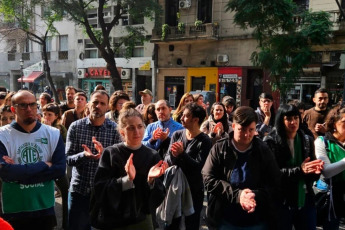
x=63 y=55
x=204 y=31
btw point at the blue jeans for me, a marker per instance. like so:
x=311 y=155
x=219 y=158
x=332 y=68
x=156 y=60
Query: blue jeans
x=78 y=211
x=302 y=219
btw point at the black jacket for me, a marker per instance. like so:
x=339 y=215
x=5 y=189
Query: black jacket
x=291 y=175
x=217 y=173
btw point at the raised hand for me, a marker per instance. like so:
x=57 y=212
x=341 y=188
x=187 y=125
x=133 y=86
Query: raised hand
x=130 y=169
x=177 y=148
x=157 y=170
x=218 y=129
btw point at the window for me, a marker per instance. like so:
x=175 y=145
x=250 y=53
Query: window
x=27 y=48
x=11 y=49
x=205 y=11
x=138 y=50
x=92 y=16
x=91 y=50
x=63 y=47
x=128 y=20
x=63 y=43
x=302 y=5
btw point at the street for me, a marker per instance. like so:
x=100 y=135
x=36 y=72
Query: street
x=203 y=226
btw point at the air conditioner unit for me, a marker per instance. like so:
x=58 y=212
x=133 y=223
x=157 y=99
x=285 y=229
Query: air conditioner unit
x=81 y=73
x=184 y=4
x=222 y=58
x=125 y=73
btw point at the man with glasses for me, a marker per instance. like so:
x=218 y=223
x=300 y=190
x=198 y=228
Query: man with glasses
x=265 y=115
x=32 y=155
x=315 y=117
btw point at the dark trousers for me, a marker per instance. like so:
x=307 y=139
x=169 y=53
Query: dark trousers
x=301 y=219
x=78 y=212
x=40 y=223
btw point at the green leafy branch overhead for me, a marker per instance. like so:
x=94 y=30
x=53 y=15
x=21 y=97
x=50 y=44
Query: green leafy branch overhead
x=285 y=36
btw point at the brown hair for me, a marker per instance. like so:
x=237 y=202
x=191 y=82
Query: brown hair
x=180 y=106
x=115 y=97
x=333 y=116
x=54 y=108
x=125 y=114
x=244 y=116
x=150 y=110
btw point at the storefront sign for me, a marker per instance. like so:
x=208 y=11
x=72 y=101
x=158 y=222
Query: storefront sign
x=229 y=76
x=145 y=65
x=98 y=72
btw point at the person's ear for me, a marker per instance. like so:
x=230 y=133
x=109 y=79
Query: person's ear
x=314 y=100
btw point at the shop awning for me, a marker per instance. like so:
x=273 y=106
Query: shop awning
x=32 y=77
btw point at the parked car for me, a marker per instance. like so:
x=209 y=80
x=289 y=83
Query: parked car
x=209 y=98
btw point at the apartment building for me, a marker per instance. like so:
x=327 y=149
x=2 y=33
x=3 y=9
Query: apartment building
x=21 y=58
x=200 y=48
x=73 y=59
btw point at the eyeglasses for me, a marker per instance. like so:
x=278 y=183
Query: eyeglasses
x=32 y=105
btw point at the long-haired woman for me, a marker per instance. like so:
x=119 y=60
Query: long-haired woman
x=217 y=125
x=294 y=153
x=185 y=99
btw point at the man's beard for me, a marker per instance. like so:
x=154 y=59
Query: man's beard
x=29 y=121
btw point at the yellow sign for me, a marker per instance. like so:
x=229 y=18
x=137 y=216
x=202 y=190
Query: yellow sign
x=145 y=66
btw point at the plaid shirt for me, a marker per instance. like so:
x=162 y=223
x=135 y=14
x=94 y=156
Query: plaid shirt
x=84 y=169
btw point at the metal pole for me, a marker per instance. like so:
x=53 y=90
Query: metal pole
x=21 y=62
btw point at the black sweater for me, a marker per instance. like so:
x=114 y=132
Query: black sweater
x=192 y=159
x=291 y=175
x=110 y=206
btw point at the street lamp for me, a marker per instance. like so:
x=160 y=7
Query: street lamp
x=21 y=63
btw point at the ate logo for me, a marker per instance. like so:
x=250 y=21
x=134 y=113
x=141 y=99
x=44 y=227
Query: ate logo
x=29 y=153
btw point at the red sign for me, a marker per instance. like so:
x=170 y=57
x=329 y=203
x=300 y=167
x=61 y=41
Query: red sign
x=98 y=72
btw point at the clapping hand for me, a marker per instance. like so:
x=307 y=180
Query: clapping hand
x=218 y=129
x=176 y=148
x=98 y=147
x=130 y=169
x=157 y=170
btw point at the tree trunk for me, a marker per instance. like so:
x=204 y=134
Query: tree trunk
x=114 y=74
x=47 y=72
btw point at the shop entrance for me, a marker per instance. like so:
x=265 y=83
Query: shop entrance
x=174 y=90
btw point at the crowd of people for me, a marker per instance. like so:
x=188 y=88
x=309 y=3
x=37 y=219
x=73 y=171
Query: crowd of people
x=118 y=165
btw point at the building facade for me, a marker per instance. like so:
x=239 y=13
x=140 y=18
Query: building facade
x=200 y=48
